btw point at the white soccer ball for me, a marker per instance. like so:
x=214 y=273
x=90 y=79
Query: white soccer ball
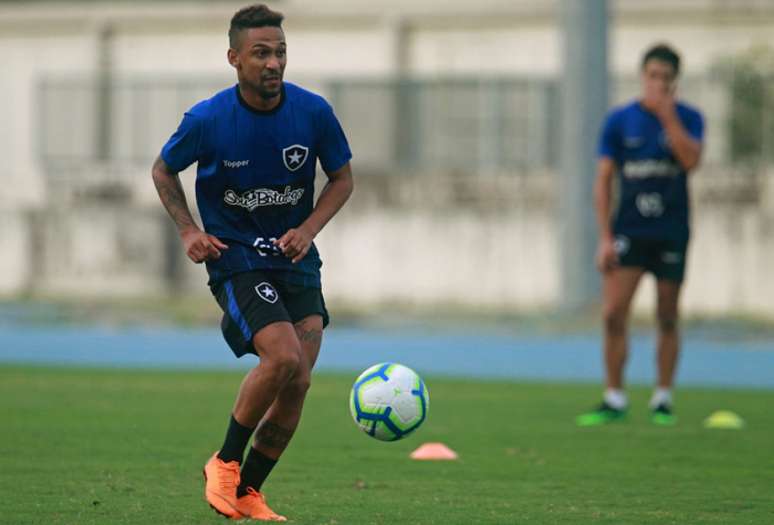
x=389 y=401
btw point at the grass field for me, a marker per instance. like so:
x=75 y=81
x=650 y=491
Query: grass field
x=87 y=446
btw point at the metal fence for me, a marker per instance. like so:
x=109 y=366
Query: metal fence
x=503 y=124
x=469 y=125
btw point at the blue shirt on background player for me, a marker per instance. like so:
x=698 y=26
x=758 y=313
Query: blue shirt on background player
x=653 y=201
x=255 y=175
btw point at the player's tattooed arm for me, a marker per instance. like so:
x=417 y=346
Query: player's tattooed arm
x=199 y=245
x=271 y=435
x=172 y=195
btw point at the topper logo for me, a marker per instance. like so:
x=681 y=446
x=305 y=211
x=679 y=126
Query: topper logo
x=235 y=163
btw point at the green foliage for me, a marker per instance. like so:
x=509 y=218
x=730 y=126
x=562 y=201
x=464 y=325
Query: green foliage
x=750 y=126
x=92 y=446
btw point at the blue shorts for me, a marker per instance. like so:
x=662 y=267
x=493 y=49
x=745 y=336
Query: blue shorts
x=664 y=258
x=252 y=300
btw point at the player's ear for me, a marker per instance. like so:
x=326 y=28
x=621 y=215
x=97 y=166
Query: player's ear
x=233 y=57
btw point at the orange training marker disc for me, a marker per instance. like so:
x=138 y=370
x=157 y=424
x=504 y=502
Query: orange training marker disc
x=434 y=451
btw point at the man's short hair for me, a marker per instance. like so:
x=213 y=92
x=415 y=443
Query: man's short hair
x=257 y=15
x=663 y=53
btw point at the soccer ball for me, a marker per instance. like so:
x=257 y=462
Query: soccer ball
x=389 y=401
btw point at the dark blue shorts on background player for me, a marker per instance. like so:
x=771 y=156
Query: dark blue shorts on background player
x=664 y=258
x=254 y=182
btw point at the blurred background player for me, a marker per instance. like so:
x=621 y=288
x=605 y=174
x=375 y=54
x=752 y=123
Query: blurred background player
x=651 y=144
x=257 y=145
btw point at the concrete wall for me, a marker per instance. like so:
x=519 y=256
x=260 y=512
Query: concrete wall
x=400 y=242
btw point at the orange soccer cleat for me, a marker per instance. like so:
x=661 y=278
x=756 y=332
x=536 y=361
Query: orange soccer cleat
x=253 y=505
x=221 y=482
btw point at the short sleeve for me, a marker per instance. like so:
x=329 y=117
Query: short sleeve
x=609 y=139
x=332 y=147
x=694 y=125
x=183 y=147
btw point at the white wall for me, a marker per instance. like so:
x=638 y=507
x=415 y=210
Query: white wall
x=520 y=50
x=15 y=245
x=510 y=260
x=496 y=261
x=24 y=59
x=418 y=253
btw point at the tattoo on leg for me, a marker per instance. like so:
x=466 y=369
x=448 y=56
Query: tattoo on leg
x=309 y=336
x=272 y=435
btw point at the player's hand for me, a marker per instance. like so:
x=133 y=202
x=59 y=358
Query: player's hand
x=201 y=246
x=295 y=243
x=607 y=257
x=662 y=105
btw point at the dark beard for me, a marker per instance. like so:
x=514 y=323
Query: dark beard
x=268 y=95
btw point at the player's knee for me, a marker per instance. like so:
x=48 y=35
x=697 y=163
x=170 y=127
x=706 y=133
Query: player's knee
x=300 y=384
x=282 y=360
x=288 y=360
x=667 y=323
x=615 y=321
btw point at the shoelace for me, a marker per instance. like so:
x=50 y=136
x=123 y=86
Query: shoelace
x=230 y=479
x=261 y=501
x=256 y=494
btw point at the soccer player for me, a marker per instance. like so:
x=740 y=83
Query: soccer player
x=257 y=145
x=651 y=144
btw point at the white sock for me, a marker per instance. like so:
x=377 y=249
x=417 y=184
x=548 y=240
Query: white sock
x=661 y=396
x=616 y=398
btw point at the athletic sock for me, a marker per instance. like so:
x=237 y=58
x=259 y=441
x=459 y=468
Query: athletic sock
x=661 y=396
x=237 y=437
x=615 y=398
x=255 y=471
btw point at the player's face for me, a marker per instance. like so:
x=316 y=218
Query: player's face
x=658 y=79
x=260 y=59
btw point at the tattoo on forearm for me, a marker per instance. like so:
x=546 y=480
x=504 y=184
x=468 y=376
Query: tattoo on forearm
x=272 y=435
x=172 y=196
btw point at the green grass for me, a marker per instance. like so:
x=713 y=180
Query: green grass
x=83 y=446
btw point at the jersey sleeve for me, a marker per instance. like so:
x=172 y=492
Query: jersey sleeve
x=332 y=147
x=610 y=139
x=184 y=146
x=694 y=125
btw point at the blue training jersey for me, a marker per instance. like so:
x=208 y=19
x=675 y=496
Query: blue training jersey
x=653 y=200
x=255 y=175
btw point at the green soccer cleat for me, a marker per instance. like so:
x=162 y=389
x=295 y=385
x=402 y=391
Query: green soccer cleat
x=662 y=415
x=602 y=415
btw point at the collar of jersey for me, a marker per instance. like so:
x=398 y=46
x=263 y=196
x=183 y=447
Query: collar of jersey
x=258 y=111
